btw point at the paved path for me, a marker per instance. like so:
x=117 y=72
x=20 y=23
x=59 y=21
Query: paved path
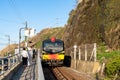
x=28 y=73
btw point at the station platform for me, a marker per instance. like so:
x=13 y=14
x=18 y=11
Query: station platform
x=26 y=73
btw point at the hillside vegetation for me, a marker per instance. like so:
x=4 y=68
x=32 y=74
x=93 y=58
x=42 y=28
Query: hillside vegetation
x=8 y=49
x=57 y=32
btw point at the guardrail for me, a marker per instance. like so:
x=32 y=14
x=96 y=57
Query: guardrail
x=6 y=63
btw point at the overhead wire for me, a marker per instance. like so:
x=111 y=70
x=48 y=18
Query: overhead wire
x=8 y=21
x=56 y=24
x=2 y=38
x=14 y=42
x=15 y=10
x=3 y=43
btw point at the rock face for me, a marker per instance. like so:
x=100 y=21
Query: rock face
x=94 y=21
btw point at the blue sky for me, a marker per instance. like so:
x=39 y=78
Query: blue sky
x=39 y=14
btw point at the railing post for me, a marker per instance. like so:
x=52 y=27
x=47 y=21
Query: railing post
x=79 y=53
x=2 y=66
x=13 y=60
x=85 y=53
x=9 y=63
x=16 y=58
x=95 y=49
x=75 y=51
x=102 y=69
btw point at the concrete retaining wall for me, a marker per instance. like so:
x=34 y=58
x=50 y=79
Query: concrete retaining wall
x=86 y=66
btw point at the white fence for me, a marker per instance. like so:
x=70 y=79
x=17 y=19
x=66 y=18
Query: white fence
x=85 y=52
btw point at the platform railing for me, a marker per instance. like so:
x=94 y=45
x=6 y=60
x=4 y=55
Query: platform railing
x=6 y=63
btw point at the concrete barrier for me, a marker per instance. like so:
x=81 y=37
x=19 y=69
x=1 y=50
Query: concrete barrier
x=40 y=71
x=85 y=66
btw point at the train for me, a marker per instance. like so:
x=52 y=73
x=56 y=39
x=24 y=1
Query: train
x=53 y=52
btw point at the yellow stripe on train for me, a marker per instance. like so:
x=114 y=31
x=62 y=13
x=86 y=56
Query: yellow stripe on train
x=53 y=57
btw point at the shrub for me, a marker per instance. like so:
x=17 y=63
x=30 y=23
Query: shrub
x=113 y=67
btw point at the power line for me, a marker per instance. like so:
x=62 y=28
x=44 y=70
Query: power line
x=3 y=43
x=15 y=9
x=56 y=20
x=8 y=21
x=2 y=38
x=13 y=42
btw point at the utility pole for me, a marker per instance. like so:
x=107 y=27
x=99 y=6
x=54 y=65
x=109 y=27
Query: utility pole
x=26 y=29
x=20 y=34
x=27 y=34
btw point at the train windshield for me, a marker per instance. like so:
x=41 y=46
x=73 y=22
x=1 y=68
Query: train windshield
x=53 y=47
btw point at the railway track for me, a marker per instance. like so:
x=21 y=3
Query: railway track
x=51 y=73
x=48 y=74
x=63 y=73
x=60 y=75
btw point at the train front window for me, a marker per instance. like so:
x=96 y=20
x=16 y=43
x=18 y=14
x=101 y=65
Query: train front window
x=53 y=47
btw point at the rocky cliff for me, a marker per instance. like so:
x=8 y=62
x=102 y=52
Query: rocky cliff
x=94 y=21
